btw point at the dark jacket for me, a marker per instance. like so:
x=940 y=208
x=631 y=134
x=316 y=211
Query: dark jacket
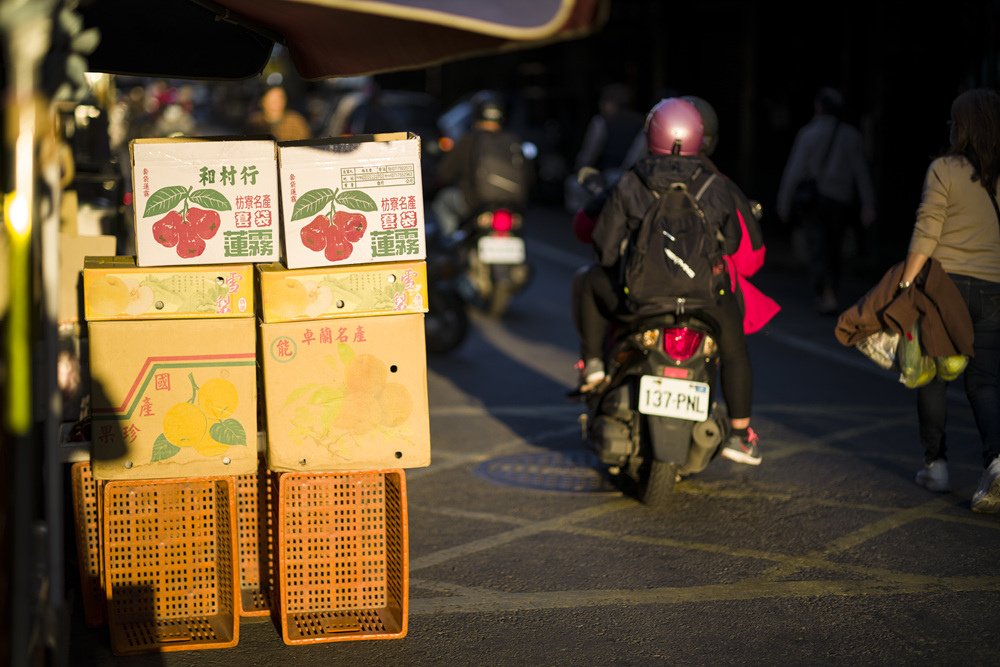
x=933 y=300
x=457 y=165
x=633 y=195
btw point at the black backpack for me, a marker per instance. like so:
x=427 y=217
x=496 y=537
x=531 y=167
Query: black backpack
x=501 y=175
x=669 y=259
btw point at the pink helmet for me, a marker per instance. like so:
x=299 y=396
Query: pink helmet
x=674 y=126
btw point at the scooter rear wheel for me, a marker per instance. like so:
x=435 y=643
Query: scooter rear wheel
x=656 y=484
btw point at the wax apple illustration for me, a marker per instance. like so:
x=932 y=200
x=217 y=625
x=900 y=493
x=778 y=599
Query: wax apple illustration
x=331 y=231
x=186 y=229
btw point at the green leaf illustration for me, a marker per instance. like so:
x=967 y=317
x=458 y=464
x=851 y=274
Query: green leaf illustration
x=164 y=200
x=345 y=352
x=357 y=200
x=311 y=203
x=299 y=392
x=211 y=199
x=163 y=449
x=326 y=395
x=228 y=432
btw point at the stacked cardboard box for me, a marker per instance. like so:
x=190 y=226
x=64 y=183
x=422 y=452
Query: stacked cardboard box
x=345 y=378
x=332 y=315
x=174 y=389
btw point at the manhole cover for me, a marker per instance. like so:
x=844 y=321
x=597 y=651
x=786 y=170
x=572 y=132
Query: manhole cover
x=569 y=472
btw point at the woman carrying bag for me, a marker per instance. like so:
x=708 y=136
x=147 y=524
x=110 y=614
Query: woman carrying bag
x=958 y=224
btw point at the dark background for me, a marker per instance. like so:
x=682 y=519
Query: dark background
x=759 y=64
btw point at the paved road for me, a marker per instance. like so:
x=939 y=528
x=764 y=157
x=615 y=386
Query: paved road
x=827 y=554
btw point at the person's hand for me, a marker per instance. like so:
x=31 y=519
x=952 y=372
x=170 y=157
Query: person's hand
x=867 y=216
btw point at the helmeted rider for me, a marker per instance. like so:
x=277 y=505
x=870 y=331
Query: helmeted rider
x=674 y=138
x=458 y=197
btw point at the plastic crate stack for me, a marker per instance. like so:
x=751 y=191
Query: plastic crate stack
x=184 y=522
x=345 y=384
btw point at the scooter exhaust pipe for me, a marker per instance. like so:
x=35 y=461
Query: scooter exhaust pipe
x=706 y=437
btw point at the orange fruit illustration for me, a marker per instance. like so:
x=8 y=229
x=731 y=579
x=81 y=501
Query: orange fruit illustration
x=218 y=397
x=395 y=404
x=365 y=373
x=184 y=425
x=108 y=295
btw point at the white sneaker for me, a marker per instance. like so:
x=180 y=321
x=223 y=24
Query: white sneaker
x=986 y=499
x=934 y=476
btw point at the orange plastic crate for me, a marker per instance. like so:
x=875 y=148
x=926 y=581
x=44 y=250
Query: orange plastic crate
x=87 y=524
x=343 y=558
x=255 y=527
x=170 y=564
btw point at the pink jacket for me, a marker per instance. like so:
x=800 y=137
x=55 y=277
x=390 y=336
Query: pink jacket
x=758 y=308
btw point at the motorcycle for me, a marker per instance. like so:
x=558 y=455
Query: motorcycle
x=446 y=323
x=494 y=257
x=656 y=417
x=490 y=240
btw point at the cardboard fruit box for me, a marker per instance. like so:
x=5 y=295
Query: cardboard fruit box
x=352 y=200
x=205 y=201
x=346 y=394
x=73 y=253
x=173 y=398
x=342 y=291
x=114 y=288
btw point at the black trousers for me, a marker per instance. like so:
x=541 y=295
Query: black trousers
x=601 y=300
x=981 y=377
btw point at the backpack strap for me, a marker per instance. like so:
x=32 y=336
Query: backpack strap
x=704 y=186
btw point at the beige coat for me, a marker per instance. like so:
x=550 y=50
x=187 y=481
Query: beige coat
x=956 y=223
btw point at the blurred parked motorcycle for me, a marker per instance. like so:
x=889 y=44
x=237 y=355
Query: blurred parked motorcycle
x=446 y=323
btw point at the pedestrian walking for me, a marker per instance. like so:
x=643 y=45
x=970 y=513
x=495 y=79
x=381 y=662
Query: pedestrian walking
x=825 y=178
x=958 y=224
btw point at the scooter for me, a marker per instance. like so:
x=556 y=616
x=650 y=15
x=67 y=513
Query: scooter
x=656 y=418
x=495 y=258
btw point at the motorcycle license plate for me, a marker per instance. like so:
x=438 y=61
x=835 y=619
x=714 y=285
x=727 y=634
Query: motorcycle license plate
x=670 y=397
x=501 y=250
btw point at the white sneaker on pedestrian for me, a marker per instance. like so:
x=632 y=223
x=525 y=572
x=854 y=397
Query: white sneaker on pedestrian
x=934 y=476
x=986 y=499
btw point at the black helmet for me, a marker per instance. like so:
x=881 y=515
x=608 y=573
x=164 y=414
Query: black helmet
x=486 y=105
x=710 y=120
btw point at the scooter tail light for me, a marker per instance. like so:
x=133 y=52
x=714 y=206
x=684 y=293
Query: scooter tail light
x=503 y=220
x=681 y=343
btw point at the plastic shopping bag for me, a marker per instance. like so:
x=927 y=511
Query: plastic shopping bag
x=880 y=347
x=915 y=368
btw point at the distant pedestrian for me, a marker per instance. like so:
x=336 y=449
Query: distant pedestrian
x=825 y=178
x=276 y=119
x=958 y=224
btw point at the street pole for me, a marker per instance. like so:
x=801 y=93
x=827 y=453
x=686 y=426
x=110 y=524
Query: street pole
x=26 y=25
